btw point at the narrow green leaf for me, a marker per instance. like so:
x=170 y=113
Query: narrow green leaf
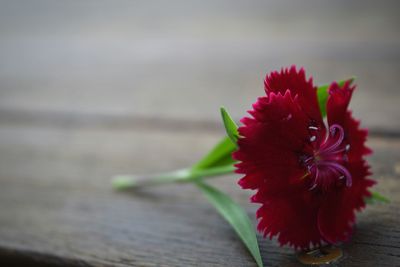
x=213 y=171
x=220 y=155
x=230 y=126
x=235 y=216
x=123 y=182
x=376 y=198
x=322 y=93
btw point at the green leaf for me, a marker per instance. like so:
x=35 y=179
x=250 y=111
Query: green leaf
x=213 y=171
x=235 y=216
x=376 y=198
x=123 y=182
x=322 y=93
x=230 y=126
x=218 y=161
x=220 y=155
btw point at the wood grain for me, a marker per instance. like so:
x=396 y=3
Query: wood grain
x=187 y=60
x=56 y=201
x=90 y=89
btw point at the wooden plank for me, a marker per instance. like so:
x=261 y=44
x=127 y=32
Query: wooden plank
x=57 y=205
x=91 y=89
x=182 y=61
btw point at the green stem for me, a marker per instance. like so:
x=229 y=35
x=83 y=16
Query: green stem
x=214 y=171
x=122 y=182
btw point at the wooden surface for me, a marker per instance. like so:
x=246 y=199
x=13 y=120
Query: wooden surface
x=92 y=89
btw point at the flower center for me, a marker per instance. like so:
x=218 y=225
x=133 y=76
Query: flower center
x=326 y=165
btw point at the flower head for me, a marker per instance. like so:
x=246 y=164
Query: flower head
x=310 y=178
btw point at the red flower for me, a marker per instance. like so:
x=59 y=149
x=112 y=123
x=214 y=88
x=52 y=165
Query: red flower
x=310 y=178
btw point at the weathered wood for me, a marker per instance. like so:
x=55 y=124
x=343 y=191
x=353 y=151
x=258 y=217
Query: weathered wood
x=55 y=199
x=187 y=59
x=93 y=89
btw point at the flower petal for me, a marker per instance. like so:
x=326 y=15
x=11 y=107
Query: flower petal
x=293 y=219
x=296 y=82
x=269 y=157
x=271 y=140
x=338 y=101
x=356 y=138
x=283 y=150
x=336 y=216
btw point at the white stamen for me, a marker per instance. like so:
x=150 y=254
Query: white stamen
x=341 y=177
x=313 y=128
x=313 y=138
x=347 y=147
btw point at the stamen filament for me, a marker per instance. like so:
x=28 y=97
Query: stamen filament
x=338 y=142
x=340 y=168
x=326 y=163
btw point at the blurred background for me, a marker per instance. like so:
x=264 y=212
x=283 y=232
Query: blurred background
x=90 y=89
x=180 y=60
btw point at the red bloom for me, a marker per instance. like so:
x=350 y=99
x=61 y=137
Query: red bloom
x=310 y=179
